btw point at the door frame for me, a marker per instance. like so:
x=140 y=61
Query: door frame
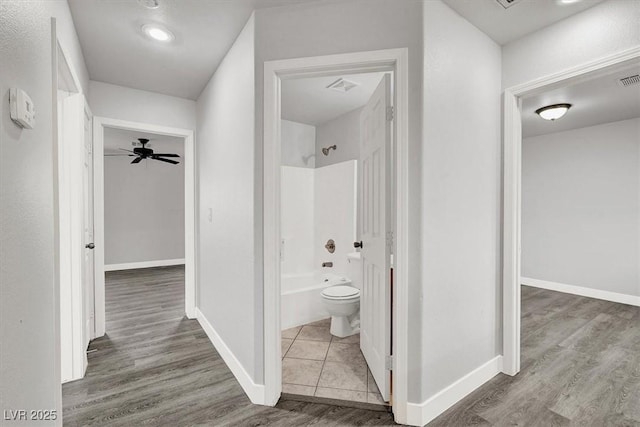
x=511 y=214
x=99 y=124
x=395 y=60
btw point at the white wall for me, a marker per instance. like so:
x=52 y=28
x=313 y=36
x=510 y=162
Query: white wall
x=343 y=131
x=227 y=171
x=297 y=220
x=298 y=144
x=581 y=207
x=29 y=372
x=335 y=214
x=610 y=27
x=461 y=201
x=118 y=102
x=323 y=28
x=143 y=205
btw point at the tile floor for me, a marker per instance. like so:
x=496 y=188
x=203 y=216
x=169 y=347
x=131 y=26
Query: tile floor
x=315 y=363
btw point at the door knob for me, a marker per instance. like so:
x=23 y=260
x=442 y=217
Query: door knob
x=90 y=246
x=357 y=244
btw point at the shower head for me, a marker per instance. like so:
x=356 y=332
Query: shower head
x=326 y=150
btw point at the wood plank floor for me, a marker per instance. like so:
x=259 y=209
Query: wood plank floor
x=580 y=367
x=156 y=367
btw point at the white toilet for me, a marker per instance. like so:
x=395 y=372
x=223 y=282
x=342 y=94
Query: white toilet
x=342 y=301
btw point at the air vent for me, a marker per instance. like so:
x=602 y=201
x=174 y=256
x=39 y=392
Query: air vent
x=508 y=3
x=629 y=80
x=342 y=85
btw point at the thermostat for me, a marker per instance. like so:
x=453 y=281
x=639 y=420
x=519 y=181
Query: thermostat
x=22 y=109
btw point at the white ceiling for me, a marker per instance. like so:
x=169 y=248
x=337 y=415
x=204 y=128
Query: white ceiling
x=114 y=139
x=595 y=101
x=117 y=52
x=309 y=101
x=504 y=25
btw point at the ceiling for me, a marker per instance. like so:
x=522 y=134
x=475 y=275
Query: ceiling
x=595 y=101
x=309 y=101
x=117 y=52
x=526 y=16
x=115 y=139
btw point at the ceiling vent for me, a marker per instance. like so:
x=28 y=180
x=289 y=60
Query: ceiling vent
x=342 y=85
x=629 y=80
x=508 y=3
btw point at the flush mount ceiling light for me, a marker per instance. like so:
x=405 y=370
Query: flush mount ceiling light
x=342 y=85
x=553 y=112
x=569 y=1
x=158 y=33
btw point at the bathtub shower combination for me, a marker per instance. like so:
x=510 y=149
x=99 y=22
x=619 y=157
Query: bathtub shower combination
x=319 y=279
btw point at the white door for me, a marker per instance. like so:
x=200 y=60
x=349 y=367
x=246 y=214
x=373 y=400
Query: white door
x=87 y=224
x=375 y=222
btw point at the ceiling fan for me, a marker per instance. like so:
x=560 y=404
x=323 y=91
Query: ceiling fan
x=141 y=153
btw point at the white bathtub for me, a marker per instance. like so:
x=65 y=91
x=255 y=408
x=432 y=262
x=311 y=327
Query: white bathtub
x=301 y=301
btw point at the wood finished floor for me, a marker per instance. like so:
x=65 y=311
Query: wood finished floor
x=156 y=367
x=580 y=367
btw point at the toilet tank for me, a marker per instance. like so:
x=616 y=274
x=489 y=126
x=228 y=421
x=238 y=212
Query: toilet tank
x=354 y=269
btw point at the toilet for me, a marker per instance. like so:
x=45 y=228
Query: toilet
x=342 y=301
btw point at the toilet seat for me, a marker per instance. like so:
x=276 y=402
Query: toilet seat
x=341 y=292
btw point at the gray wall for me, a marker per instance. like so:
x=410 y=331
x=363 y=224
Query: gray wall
x=581 y=207
x=29 y=306
x=460 y=164
x=143 y=204
x=343 y=131
x=227 y=169
x=298 y=144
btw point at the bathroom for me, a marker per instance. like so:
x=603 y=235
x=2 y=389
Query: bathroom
x=321 y=267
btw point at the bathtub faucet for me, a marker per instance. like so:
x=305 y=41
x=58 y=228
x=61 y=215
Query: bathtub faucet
x=327 y=264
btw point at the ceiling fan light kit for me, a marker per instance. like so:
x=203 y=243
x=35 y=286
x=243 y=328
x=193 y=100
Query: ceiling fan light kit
x=141 y=153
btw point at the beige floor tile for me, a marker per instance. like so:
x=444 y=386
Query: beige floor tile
x=375 y=398
x=343 y=376
x=345 y=353
x=314 y=333
x=371 y=383
x=314 y=350
x=334 y=393
x=352 y=339
x=324 y=322
x=303 y=390
x=291 y=333
x=300 y=371
x=285 y=345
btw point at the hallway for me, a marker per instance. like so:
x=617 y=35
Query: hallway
x=156 y=367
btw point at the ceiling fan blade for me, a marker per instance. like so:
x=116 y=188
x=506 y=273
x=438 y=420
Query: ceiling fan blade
x=165 y=155
x=173 y=162
x=128 y=151
x=136 y=160
x=110 y=154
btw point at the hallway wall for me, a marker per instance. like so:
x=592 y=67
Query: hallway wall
x=29 y=307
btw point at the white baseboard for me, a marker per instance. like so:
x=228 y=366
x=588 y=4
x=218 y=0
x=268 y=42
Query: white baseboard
x=419 y=414
x=582 y=291
x=254 y=391
x=144 y=264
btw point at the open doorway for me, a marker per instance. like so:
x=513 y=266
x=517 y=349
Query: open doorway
x=335 y=143
x=565 y=179
x=386 y=174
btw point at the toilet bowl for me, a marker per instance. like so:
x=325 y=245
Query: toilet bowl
x=342 y=301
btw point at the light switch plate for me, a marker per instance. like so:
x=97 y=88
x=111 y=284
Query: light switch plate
x=22 y=109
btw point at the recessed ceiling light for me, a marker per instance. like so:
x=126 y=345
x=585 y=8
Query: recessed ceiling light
x=158 y=33
x=569 y=1
x=553 y=112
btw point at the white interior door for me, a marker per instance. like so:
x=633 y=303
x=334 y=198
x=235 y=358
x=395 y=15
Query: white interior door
x=375 y=222
x=88 y=264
